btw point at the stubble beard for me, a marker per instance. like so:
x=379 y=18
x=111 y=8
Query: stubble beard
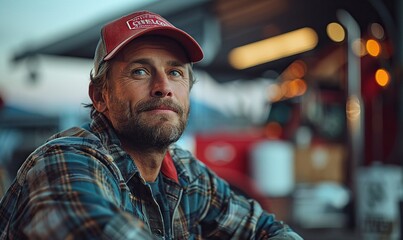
x=140 y=133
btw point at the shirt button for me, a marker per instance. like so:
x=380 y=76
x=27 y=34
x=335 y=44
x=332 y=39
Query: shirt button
x=158 y=232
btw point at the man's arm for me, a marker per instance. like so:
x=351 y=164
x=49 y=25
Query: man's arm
x=232 y=216
x=69 y=193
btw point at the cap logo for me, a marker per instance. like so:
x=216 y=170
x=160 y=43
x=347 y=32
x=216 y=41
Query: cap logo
x=146 y=21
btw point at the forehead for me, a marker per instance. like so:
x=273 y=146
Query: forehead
x=153 y=44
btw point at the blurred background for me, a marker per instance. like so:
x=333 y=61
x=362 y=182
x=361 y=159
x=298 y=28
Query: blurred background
x=298 y=102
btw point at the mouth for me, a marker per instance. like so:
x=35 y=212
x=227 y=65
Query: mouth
x=158 y=106
x=163 y=108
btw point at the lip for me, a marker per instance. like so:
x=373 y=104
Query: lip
x=163 y=109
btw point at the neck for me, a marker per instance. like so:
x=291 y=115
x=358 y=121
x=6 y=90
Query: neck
x=148 y=162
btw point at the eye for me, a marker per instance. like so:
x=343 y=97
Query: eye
x=138 y=72
x=176 y=73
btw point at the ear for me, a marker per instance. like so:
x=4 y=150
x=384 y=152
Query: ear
x=97 y=98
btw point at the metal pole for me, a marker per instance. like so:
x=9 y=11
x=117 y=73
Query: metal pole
x=354 y=106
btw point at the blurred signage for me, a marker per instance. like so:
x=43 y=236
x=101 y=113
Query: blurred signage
x=379 y=190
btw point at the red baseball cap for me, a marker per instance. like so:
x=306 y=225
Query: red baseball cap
x=118 y=33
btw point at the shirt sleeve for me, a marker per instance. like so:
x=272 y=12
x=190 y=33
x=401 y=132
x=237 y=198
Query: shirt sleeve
x=232 y=216
x=69 y=193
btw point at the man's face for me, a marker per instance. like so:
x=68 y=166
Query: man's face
x=147 y=100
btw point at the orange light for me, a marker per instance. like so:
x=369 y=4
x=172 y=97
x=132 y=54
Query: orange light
x=285 y=88
x=301 y=86
x=298 y=68
x=382 y=77
x=373 y=47
x=273 y=130
x=292 y=89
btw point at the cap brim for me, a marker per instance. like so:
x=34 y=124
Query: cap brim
x=192 y=48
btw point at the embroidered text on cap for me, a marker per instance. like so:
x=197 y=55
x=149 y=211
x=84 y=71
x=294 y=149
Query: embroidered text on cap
x=146 y=21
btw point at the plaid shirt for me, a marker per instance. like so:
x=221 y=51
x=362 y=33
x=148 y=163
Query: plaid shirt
x=82 y=185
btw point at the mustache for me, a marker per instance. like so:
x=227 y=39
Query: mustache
x=156 y=103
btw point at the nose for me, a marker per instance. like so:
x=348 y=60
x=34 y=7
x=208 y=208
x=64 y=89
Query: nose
x=161 y=86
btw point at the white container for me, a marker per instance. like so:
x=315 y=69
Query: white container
x=272 y=166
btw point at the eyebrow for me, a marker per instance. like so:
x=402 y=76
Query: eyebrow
x=176 y=64
x=145 y=61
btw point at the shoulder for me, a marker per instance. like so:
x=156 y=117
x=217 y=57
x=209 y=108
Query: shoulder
x=73 y=139
x=75 y=136
x=72 y=148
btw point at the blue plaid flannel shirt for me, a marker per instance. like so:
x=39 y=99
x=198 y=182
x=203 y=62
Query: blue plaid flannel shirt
x=82 y=185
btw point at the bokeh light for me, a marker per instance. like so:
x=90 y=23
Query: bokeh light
x=373 y=47
x=382 y=77
x=359 y=48
x=377 y=31
x=273 y=130
x=335 y=32
x=353 y=108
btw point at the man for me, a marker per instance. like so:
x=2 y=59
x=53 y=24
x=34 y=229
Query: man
x=121 y=176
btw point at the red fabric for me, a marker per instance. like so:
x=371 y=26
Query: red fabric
x=168 y=168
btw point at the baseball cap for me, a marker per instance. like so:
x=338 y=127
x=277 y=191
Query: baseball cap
x=118 y=33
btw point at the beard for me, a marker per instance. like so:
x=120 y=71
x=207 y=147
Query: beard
x=141 y=133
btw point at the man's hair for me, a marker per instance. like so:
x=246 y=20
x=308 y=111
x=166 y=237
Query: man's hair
x=99 y=80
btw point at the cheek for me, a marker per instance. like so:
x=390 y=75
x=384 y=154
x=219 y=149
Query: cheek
x=117 y=102
x=182 y=95
x=129 y=93
x=182 y=88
